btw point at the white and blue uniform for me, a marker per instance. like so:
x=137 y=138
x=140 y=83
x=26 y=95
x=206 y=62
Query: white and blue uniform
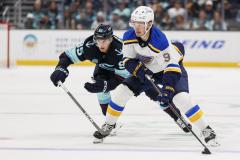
x=164 y=59
x=161 y=59
x=157 y=54
x=160 y=56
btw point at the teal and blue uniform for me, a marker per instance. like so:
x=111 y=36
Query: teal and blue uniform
x=109 y=66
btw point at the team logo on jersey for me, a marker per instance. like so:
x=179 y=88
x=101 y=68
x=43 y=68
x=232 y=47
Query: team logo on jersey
x=144 y=59
x=88 y=44
x=107 y=66
x=119 y=52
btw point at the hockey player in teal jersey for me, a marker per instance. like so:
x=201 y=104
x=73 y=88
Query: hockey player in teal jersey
x=147 y=50
x=104 y=49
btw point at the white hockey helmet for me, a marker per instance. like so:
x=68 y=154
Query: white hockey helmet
x=142 y=14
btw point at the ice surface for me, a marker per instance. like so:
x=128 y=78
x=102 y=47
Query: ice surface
x=40 y=122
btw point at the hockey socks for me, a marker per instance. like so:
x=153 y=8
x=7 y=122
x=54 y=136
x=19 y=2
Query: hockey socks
x=113 y=113
x=196 y=116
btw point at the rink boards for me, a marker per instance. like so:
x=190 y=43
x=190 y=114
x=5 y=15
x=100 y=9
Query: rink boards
x=42 y=47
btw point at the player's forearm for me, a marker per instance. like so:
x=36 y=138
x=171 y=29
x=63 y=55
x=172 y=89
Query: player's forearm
x=64 y=61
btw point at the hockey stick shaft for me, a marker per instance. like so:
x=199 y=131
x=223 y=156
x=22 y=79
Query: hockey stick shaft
x=79 y=106
x=176 y=113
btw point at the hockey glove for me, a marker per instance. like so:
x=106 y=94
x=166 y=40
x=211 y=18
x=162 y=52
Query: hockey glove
x=137 y=68
x=152 y=94
x=96 y=86
x=167 y=95
x=60 y=74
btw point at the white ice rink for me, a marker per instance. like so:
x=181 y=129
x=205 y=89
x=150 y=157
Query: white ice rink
x=40 y=122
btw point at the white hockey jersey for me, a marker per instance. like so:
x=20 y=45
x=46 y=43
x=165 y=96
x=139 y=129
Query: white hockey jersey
x=157 y=54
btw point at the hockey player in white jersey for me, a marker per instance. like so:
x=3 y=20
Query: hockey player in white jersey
x=104 y=49
x=147 y=50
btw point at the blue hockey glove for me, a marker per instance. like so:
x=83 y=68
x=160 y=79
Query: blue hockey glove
x=59 y=74
x=142 y=71
x=96 y=86
x=167 y=95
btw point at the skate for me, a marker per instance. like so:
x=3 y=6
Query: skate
x=115 y=130
x=210 y=137
x=99 y=137
x=183 y=126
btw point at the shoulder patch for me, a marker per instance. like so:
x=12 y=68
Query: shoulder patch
x=89 y=42
x=116 y=45
x=153 y=48
x=158 y=41
x=90 y=38
x=130 y=37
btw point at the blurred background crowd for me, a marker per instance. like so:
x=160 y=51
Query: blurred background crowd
x=210 y=15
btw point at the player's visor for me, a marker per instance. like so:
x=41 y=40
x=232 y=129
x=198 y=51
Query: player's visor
x=137 y=24
x=102 y=41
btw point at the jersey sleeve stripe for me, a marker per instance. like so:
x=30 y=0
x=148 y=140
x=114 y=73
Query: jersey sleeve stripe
x=173 y=65
x=153 y=48
x=72 y=55
x=181 y=54
x=181 y=58
x=130 y=41
x=172 y=68
x=177 y=50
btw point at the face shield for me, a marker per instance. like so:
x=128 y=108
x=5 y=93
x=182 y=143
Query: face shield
x=141 y=20
x=141 y=28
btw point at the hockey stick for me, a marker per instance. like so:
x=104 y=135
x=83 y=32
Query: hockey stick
x=171 y=105
x=80 y=107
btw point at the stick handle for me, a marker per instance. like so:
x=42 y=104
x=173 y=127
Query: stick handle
x=63 y=86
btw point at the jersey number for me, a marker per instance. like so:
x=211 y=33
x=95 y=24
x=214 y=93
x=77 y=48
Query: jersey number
x=166 y=57
x=79 y=49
